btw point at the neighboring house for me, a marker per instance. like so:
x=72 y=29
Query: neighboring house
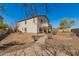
x=35 y=24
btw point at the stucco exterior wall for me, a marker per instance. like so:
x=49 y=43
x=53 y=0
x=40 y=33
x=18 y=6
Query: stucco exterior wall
x=42 y=24
x=32 y=25
x=21 y=26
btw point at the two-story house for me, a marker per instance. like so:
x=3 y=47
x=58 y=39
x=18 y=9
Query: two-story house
x=35 y=24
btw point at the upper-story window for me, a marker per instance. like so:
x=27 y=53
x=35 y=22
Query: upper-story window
x=34 y=21
x=41 y=21
x=25 y=22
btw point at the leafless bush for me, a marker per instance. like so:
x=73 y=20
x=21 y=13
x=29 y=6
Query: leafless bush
x=54 y=32
x=35 y=38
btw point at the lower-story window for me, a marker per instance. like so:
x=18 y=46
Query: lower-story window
x=25 y=29
x=22 y=29
x=40 y=30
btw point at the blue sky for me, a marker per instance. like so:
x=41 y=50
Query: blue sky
x=56 y=11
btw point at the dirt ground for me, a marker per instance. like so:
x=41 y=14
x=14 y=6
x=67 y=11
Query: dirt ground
x=68 y=39
x=18 y=37
x=57 y=45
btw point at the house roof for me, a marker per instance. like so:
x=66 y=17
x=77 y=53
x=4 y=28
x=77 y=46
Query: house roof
x=33 y=17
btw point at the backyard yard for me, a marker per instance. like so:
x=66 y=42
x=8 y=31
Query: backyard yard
x=40 y=45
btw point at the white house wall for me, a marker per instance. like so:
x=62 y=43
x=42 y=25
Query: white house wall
x=42 y=24
x=32 y=25
x=21 y=26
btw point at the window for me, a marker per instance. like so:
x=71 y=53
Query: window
x=22 y=28
x=41 y=20
x=40 y=30
x=25 y=22
x=25 y=29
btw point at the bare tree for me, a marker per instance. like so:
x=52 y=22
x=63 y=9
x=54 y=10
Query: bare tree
x=30 y=9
